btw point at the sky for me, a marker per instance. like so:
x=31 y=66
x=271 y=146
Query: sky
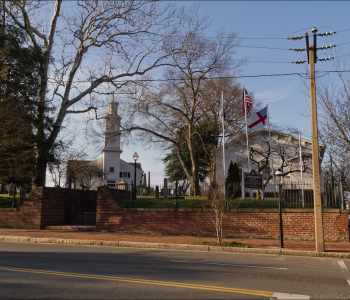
x=267 y=24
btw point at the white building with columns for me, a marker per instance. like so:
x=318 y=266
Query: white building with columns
x=110 y=169
x=296 y=152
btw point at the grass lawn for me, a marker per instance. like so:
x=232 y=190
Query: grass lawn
x=6 y=195
x=6 y=201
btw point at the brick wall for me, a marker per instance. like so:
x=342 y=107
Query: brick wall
x=47 y=207
x=27 y=216
x=297 y=224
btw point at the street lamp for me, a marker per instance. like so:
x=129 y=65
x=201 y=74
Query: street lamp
x=135 y=157
x=279 y=175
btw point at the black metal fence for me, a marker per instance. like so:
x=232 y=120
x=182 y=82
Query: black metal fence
x=291 y=195
x=300 y=195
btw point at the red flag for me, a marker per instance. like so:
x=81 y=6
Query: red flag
x=247 y=102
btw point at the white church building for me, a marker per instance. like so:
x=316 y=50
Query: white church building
x=109 y=170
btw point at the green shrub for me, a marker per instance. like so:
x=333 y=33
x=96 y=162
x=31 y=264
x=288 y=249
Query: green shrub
x=251 y=203
x=198 y=202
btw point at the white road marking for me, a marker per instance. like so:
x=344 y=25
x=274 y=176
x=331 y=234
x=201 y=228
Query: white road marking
x=231 y=265
x=342 y=264
x=286 y=296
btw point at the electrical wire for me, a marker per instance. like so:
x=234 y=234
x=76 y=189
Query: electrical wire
x=268 y=61
x=321 y=72
x=260 y=38
x=343 y=44
x=282 y=36
x=343 y=30
x=261 y=47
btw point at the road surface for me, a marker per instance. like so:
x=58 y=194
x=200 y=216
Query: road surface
x=67 y=272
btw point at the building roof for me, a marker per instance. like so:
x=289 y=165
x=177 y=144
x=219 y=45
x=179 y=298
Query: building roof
x=265 y=131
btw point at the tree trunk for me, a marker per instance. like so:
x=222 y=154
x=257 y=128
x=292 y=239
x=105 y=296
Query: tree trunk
x=194 y=169
x=40 y=168
x=41 y=142
x=183 y=165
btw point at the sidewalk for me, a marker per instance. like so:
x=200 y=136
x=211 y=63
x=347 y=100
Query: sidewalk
x=162 y=239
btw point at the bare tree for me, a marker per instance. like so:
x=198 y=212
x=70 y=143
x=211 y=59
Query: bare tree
x=59 y=167
x=279 y=154
x=88 y=48
x=83 y=174
x=172 y=112
x=217 y=203
x=335 y=127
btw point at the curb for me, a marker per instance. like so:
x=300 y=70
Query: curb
x=168 y=246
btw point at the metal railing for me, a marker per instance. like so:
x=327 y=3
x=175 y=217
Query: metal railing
x=291 y=195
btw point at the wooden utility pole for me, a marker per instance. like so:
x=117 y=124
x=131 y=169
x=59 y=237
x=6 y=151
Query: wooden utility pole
x=316 y=166
x=319 y=239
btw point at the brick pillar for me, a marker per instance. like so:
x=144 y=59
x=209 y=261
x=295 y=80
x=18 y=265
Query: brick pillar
x=106 y=207
x=31 y=209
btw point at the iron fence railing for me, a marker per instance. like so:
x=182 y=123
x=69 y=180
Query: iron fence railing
x=298 y=195
x=291 y=195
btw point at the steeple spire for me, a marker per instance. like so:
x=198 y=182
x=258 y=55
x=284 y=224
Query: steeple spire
x=111 y=151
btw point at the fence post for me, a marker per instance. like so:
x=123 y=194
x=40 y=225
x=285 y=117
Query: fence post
x=280 y=215
x=341 y=195
x=302 y=195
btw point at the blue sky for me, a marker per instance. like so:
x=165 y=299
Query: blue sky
x=287 y=97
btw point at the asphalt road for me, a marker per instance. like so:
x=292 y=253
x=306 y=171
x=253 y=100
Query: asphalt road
x=64 y=272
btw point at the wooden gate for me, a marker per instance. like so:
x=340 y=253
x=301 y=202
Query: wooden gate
x=80 y=208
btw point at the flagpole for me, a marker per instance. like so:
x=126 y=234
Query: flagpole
x=223 y=142
x=246 y=129
x=301 y=171
x=270 y=142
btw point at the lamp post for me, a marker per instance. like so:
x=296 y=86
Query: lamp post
x=279 y=174
x=135 y=157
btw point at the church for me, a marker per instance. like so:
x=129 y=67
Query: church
x=109 y=170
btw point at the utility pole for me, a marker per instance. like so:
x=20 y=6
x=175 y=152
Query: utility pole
x=316 y=172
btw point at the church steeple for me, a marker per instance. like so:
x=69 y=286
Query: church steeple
x=112 y=130
x=111 y=150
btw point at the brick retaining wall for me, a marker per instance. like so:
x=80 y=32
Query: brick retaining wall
x=298 y=224
x=27 y=216
x=46 y=207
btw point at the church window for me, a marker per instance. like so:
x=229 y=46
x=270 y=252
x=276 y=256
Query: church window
x=110 y=183
x=124 y=174
x=111 y=169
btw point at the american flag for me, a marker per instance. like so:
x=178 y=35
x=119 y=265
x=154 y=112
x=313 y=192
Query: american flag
x=247 y=101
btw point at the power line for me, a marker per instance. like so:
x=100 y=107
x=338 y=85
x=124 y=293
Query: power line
x=343 y=55
x=344 y=30
x=260 y=38
x=343 y=44
x=221 y=77
x=282 y=36
x=261 y=47
x=268 y=61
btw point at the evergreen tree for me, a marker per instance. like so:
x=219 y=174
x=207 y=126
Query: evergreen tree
x=233 y=181
x=17 y=97
x=206 y=136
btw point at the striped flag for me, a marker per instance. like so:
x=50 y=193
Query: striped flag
x=247 y=102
